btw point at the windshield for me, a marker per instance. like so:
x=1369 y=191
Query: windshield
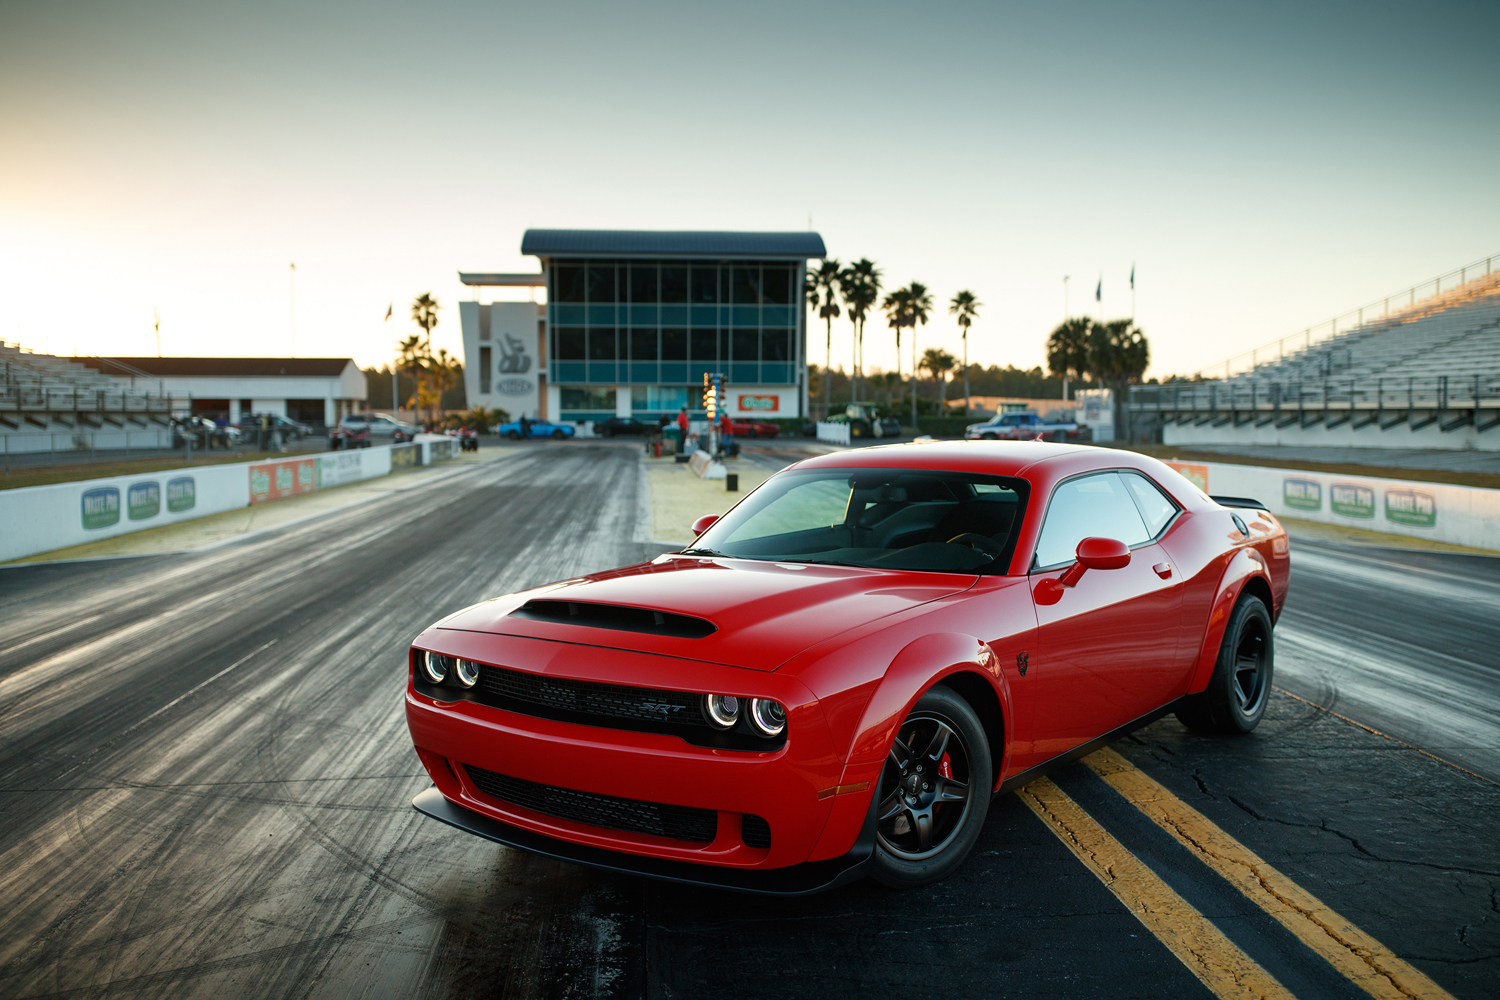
x=905 y=519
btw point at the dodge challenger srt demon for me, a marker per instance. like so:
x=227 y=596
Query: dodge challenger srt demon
x=838 y=675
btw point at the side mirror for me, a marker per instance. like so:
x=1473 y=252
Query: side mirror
x=706 y=521
x=1096 y=553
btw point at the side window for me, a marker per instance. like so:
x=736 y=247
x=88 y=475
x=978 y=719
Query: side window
x=817 y=504
x=1155 y=508
x=1093 y=506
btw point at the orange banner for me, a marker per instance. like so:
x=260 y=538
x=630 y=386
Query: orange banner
x=274 y=480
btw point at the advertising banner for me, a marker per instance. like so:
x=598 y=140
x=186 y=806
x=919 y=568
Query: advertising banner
x=1458 y=515
x=275 y=480
x=339 y=468
x=761 y=404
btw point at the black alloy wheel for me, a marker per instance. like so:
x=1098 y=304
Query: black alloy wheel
x=1236 y=696
x=933 y=794
x=559 y=433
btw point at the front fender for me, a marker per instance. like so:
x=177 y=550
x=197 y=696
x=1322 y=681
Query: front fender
x=919 y=665
x=1247 y=563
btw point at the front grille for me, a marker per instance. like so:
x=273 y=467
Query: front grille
x=755 y=831
x=673 y=822
x=588 y=702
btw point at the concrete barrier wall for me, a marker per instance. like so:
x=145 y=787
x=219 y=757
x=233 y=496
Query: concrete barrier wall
x=1458 y=515
x=45 y=518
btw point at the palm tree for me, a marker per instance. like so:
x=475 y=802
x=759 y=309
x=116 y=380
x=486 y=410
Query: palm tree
x=411 y=355
x=939 y=363
x=965 y=310
x=1068 y=350
x=860 y=284
x=822 y=291
x=918 y=305
x=424 y=310
x=895 y=308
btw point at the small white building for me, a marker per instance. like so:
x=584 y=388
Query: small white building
x=310 y=390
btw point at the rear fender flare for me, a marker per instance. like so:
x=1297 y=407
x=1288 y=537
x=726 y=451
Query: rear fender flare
x=1244 y=565
x=920 y=665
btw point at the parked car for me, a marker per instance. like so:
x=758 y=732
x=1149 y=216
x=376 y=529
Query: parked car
x=1021 y=427
x=622 y=425
x=753 y=428
x=534 y=429
x=865 y=421
x=203 y=432
x=835 y=677
x=290 y=430
x=342 y=438
x=379 y=426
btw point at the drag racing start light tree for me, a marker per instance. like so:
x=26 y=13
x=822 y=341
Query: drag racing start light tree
x=713 y=402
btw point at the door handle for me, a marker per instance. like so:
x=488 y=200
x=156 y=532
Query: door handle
x=1163 y=570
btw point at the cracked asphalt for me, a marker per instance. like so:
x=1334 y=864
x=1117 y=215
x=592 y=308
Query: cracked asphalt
x=205 y=778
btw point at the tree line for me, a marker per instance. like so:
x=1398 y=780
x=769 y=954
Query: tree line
x=832 y=288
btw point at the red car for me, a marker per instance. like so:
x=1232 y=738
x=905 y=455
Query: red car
x=836 y=675
x=753 y=428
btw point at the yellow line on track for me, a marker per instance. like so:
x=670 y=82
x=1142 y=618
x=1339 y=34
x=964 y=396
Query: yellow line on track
x=1192 y=937
x=1355 y=954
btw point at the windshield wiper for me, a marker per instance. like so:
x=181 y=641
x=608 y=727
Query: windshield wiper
x=699 y=552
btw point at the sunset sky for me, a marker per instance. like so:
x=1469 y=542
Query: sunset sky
x=1264 y=166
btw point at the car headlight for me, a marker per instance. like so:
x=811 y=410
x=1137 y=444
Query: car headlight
x=434 y=667
x=466 y=672
x=723 y=710
x=767 y=717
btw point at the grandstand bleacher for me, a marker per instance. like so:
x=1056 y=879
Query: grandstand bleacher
x=50 y=403
x=1427 y=376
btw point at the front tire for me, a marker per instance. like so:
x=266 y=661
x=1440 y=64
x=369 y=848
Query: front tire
x=559 y=434
x=933 y=793
x=1236 y=696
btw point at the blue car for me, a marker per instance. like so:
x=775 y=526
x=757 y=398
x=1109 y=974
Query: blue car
x=534 y=429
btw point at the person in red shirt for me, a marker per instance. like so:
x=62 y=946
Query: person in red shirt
x=682 y=429
x=726 y=432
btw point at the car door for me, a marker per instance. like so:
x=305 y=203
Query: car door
x=1107 y=645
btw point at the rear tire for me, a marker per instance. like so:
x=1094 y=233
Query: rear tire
x=925 y=823
x=513 y=435
x=559 y=433
x=1236 y=696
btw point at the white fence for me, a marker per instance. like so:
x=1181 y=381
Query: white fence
x=833 y=433
x=38 y=519
x=1458 y=515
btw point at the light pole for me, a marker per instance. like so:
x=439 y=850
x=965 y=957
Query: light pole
x=291 y=320
x=1065 y=298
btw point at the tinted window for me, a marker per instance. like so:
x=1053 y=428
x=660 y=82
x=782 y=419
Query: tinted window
x=747 y=286
x=643 y=283
x=567 y=283
x=601 y=283
x=1090 y=507
x=705 y=284
x=674 y=284
x=570 y=343
x=705 y=345
x=774 y=345
x=778 y=284
x=601 y=343
x=673 y=344
x=643 y=344
x=745 y=345
x=889 y=518
x=1155 y=508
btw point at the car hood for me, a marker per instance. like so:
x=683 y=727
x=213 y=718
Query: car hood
x=761 y=613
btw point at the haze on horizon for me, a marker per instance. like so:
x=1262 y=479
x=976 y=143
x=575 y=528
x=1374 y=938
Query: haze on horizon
x=1264 y=166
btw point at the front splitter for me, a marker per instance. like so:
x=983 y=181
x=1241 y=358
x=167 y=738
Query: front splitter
x=796 y=880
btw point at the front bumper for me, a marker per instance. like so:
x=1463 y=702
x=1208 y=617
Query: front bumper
x=796 y=880
x=813 y=803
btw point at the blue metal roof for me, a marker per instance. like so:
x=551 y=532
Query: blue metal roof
x=664 y=243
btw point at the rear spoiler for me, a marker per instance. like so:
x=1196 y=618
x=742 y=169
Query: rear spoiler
x=1244 y=502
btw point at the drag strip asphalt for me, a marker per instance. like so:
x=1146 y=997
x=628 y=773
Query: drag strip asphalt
x=205 y=780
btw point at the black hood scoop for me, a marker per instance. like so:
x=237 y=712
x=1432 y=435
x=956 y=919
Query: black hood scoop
x=616 y=617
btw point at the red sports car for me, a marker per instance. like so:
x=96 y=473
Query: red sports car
x=838 y=673
x=752 y=428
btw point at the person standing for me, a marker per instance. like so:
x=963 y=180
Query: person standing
x=265 y=432
x=726 y=434
x=682 y=429
x=525 y=427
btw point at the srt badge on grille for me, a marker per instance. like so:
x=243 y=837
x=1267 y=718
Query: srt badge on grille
x=659 y=706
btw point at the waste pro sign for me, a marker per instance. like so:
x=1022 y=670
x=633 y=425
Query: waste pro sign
x=275 y=480
x=760 y=404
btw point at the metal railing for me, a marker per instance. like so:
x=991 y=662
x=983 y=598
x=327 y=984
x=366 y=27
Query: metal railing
x=1404 y=301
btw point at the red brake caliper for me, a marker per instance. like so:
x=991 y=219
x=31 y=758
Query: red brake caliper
x=945 y=768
